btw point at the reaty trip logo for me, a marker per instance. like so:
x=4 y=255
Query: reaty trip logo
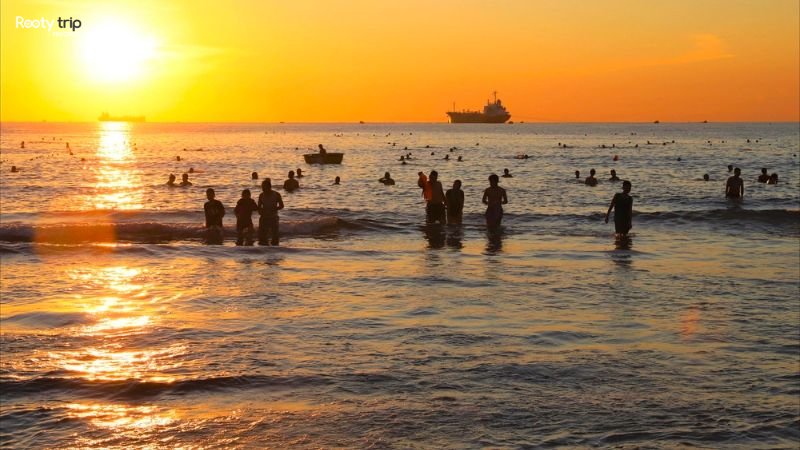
x=45 y=24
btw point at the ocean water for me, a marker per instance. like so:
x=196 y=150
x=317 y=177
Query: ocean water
x=120 y=328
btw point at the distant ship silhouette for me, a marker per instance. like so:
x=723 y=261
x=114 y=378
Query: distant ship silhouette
x=493 y=112
x=106 y=117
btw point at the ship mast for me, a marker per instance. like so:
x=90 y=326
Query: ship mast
x=495 y=96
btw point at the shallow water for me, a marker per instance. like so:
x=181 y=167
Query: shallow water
x=367 y=329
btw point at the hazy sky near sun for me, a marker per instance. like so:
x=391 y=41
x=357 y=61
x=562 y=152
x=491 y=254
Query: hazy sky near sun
x=405 y=60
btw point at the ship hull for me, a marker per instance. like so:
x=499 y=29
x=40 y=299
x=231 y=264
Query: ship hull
x=477 y=117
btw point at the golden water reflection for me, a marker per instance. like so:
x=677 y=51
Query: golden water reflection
x=117 y=178
x=118 y=302
x=122 y=418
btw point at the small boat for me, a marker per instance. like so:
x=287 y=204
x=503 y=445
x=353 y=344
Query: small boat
x=327 y=158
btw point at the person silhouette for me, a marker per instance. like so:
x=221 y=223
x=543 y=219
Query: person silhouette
x=269 y=203
x=494 y=197
x=622 y=204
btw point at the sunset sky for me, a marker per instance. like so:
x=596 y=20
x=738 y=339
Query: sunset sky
x=320 y=61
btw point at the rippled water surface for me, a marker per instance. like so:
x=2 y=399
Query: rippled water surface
x=368 y=329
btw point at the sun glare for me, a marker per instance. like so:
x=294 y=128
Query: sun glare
x=117 y=52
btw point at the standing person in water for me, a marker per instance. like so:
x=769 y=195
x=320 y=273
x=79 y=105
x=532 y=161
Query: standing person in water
x=622 y=204
x=454 y=200
x=171 y=180
x=494 y=197
x=291 y=184
x=422 y=182
x=734 y=188
x=244 y=218
x=434 y=208
x=614 y=176
x=214 y=213
x=185 y=180
x=764 y=177
x=269 y=203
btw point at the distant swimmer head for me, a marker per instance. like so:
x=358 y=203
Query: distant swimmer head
x=171 y=179
x=730 y=167
x=592 y=172
x=387 y=175
x=626 y=186
x=191 y=169
x=210 y=194
x=613 y=173
x=505 y=172
x=299 y=172
x=737 y=171
x=291 y=174
x=460 y=159
x=773 y=179
x=246 y=193
x=254 y=175
x=14 y=169
x=434 y=175
x=337 y=180
x=706 y=177
x=763 y=170
x=266 y=185
x=457 y=184
x=577 y=174
x=616 y=157
x=494 y=179
x=178 y=158
x=185 y=177
x=321 y=147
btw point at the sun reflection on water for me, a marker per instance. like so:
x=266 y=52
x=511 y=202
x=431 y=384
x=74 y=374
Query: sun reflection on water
x=122 y=417
x=118 y=180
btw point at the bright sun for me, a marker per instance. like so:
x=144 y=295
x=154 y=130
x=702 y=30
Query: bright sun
x=116 y=52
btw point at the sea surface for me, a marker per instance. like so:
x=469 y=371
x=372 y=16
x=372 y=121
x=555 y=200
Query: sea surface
x=365 y=328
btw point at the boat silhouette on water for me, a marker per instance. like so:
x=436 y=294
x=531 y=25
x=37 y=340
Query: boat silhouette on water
x=323 y=158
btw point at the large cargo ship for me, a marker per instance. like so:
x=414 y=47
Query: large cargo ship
x=106 y=117
x=493 y=112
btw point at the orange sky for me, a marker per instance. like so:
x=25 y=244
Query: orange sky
x=318 y=61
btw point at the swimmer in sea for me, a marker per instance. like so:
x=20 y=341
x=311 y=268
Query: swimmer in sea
x=614 y=176
x=622 y=203
x=299 y=173
x=591 y=180
x=254 y=176
x=447 y=157
x=494 y=197
x=764 y=177
x=214 y=212
x=291 y=184
x=14 y=169
x=773 y=179
x=387 y=179
x=734 y=187
x=337 y=180
x=435 y=206
x=459 y=159
x=171 y=181
x=730 y=168
x=244 y=218
x=269 y=203
x=185 y=180
x=578 y=174
x=454 y=202
x=706 y=177
x=507 y=174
